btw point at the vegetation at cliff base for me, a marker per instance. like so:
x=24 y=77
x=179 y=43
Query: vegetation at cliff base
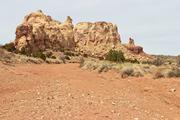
x=115 y=56
x=9 y=47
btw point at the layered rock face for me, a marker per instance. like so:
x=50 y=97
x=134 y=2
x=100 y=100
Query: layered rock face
x=40 y=32
x=96 y=38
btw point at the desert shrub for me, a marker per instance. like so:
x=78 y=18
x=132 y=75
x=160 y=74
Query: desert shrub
x=138 y=74
x=178 y=60
x=61 y=49
x=101 y=58
x=158 y=62
x=49 y=54
x=127 y=71
x=175 y=72
x=132 y=61
x=67 y=57
x=115 y=56
x=103 y=68
x=1 y=52
x=81 y=62
x=68 y=53
x=90 y=65
x=53 y=57
x=4 y=55
x=39 y=54
x=146 y=62
x=85 y=55
x=9 y=47
x=170 y=74
x=158 y=74
x=23 y=51
x=63 y=58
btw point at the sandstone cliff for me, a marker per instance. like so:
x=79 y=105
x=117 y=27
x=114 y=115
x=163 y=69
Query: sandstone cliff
x=97 y=38
x=40 y=32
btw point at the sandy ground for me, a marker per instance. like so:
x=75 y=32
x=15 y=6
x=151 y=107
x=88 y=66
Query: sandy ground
x=66 y=92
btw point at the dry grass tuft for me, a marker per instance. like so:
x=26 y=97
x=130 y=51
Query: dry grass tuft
x=131 y=69
x=158 y=75
x=127 y=71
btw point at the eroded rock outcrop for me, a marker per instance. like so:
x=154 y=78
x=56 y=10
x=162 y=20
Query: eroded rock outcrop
x=96 y=38
x=133 y=48
x=40 y=32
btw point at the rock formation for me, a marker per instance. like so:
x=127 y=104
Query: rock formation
x=133 y=48
x=96 y=38
x=40 y=32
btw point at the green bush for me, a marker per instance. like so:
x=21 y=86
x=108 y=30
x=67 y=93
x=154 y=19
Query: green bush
x=9 y=47
x=39 y=54
x=115 y=56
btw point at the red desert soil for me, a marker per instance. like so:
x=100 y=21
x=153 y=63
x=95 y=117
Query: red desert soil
x=66 y=92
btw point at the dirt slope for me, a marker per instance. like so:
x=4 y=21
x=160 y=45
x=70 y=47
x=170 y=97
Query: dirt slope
x=65 y=92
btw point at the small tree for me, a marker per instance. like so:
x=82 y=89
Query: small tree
x=115 y=56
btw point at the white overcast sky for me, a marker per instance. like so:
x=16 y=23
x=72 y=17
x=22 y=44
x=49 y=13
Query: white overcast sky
x=154 y=24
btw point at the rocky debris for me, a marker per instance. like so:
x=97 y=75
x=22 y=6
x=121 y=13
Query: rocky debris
x=133 y=48
x=40 y=32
